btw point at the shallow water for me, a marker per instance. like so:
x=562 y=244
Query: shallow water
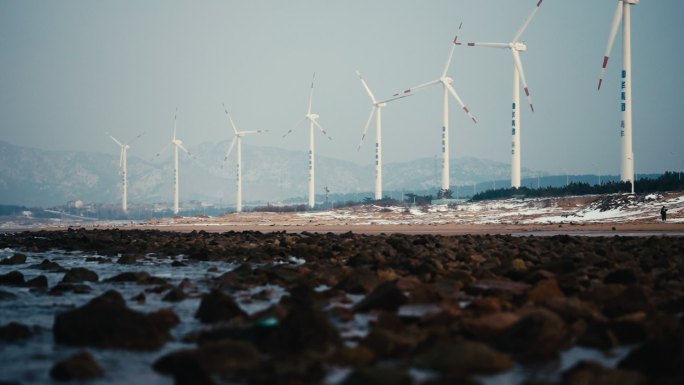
x=29 y=361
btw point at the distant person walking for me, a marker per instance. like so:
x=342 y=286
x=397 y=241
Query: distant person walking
x=663 y=213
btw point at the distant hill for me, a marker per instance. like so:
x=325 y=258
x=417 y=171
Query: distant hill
x=33 y=177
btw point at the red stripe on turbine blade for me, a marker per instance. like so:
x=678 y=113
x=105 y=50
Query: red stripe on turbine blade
x=527 y=92
x=539 y=3
x=466 y=110
x=600 y=81
x=407 y=91
x=474 y=120
x=605 y=61
x=471 y=44
x=531 y=107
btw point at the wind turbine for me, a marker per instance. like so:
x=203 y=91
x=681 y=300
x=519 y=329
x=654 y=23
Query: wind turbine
x=446 y=82
x=312 y=118
x=237 y=138
x=623 y=12
x=516 y=46
x=377 y=111
x=177 y=143
x=123 y=168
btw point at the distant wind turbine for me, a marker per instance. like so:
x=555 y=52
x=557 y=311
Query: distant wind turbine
x=177 y=143
x=446 y=82
x=238 y=135
x=312 y=118
x=516 y=46
x=377 y=111
x=623 y=12
x=123 y=169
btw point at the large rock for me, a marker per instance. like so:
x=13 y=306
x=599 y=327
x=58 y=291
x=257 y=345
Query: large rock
x=106 y=322
x=80 y=274
x=13 y=278
x=587 y=373
x=462 y=357
x=217 y=307
x=80 y=366
x=386 y=296
x=538 y=335
x=378 y=376
x=226 y=358
x=15 y=331
x=16 y=259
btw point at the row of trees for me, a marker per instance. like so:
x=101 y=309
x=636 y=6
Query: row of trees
x=669 y=181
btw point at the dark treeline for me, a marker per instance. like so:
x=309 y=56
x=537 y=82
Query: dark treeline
x=669 y=181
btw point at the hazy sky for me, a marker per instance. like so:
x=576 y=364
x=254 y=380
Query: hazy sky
x=73 y=70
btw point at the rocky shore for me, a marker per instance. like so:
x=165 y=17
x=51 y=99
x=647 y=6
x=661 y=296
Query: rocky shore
x=375 y=309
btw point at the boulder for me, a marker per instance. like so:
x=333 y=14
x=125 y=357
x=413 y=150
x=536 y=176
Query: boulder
x=16 y=259
x=462 y=357
x=13 y=278
x=217 y=307
x=225 y=358
x=40 y=282
x=539 y=335
x=106 y=322
x=385 y=296
x=587 y=372
x=78 y=367
x=378 y=376
x=15 y=331
x=80 y=274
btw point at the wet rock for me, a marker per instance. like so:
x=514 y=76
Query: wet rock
x=15 y=331
x=361 y=280
x=538 y=335
x=625 y=276
x=76 y=288
x=16 y=259
x=217 y=307
x=80 y=366
x=498 y=286
x=128 y=259
x=48 y=265
x=139 y=298
x=385 y=296
x=5 y=295
x=175 y=295
x=378 y=376
x=588 y=373
x=141 y=277
x=488 y=326
x=13 y=278
x=462 y=357
x=660 y=357
x=106 y=322
x=390 y=343
x=633 y=299
x=226 y=358
x=545 y=290
x=40 y=281
x=164 y=319
x=354 y=356
x=80 y=274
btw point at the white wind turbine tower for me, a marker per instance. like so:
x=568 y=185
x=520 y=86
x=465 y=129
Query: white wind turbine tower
x=124 y=169
x=237 y=138
x=377 y=111
x=177 y=143
x=312 y=118
x=623 y=12
x=516 y=46
x=446 y=82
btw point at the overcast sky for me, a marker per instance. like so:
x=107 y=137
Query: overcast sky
x=73 y=70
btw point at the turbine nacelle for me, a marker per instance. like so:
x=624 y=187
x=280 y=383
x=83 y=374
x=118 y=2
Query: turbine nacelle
x=312 y=116
x=380 y=104
x=518 y=46
x=177 y=142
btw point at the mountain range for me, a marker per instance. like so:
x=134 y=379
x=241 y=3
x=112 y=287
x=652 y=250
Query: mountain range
x=44 y=178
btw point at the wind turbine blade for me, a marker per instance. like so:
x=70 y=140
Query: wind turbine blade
x=395 y=97
x=251 y=132
x=321 y=128
x=230 y=149
x=311 y=93
x=487 y=45
x=229 y=118
x=522 y=29
x=519 y=68
x=611 y=39
x=453 y=92
x=121 y=158
x=184 y=149
x=365 y=129
x=117 y=142
x=451 y=53
x=163 y=149
x=295 y=126
x=456 y=37
x=174 y=123
x=448 y=63
x=136 y=138
x=420 y=86
x=365 y=85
